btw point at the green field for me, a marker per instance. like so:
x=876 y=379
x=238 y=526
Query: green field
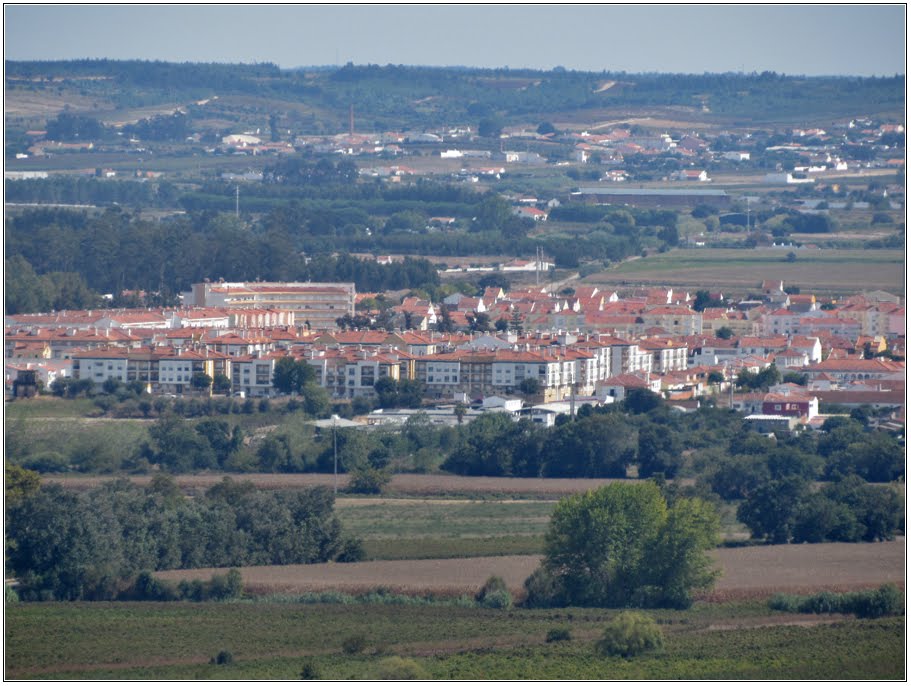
x=156 y=641
x=412 y=528
x=814 y=271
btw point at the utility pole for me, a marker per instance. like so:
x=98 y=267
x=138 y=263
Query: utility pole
x=237 y=201
x=335 y=453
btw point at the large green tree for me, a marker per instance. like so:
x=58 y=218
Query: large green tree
x=290 y=375
x=622 y=546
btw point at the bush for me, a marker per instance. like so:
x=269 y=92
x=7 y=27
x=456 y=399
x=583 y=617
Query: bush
x=226 y=586
x=542 y=590
x=224 y=657
x=630 y=634
x=784 y=603
x=395 y=668
x=367 y=479
x=310 y=672
x=494 y=594
x=147 y=587
x=352 y=551
x=354 y=644
x=558 y=635
x=498 y=600
x=881 y=602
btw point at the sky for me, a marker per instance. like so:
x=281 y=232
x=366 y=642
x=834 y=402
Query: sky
x=806 y=39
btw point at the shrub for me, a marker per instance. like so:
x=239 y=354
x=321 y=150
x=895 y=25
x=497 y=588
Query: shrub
x=147 y=587
x=881 y=602
x=561 y=634
x=354 y=644
x=494 y=595
x=542 y=590
x=310 y=672
x=225 y=586
x=367 y=479
x=784 y=603
x=395 y=668
x=884 y=601
x=224 y=657
x=352 y=551
x=630 y=634
x=498 y=600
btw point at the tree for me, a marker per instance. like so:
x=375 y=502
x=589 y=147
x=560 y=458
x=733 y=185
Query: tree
x=642 y=400
x=445 y=323
x=715 y=378
x=221 y=383
x=658 y=451
x=601 y=445
x=529 y=386
x=771 y=510
x=490 y=127
x=19 y=482
x=478 y=321
x=545 y=128
x=621 y=546
x=200 y=380
x=290 y=375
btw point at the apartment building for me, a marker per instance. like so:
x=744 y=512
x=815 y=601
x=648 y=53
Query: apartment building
x=314 y=305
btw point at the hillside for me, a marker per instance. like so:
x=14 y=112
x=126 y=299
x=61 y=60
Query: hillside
x=316 y=100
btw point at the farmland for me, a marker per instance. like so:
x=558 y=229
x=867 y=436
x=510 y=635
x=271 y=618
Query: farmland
x=742 y=640
x=755 y=570
x=819 y=271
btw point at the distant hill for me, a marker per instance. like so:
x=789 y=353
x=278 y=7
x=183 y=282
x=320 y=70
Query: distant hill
x=314 y=100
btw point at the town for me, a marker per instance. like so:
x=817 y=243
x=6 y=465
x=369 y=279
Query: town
x=592 y=368
x=526 y=351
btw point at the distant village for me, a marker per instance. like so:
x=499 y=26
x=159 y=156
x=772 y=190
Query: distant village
x=622 y=153
x=529 y=352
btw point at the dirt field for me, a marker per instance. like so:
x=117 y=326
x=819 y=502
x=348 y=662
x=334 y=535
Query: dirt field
x=403 y=484
x=752 y=571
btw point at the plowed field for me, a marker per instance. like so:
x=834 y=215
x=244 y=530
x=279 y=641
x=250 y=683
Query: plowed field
x=409 y=484
x=750 y=571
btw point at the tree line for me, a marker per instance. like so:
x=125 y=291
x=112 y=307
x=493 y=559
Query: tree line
x=116 y=251
x=83 y=546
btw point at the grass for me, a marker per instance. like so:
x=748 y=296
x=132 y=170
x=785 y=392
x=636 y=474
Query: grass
x=815 y=271
x=49 y=407
x=448 y=519
x=399 y=529
x=435 y=548
x=155 y=641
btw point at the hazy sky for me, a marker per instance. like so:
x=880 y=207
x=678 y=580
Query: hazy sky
x=809 y=39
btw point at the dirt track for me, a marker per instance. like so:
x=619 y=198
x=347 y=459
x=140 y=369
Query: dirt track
x=748 y=571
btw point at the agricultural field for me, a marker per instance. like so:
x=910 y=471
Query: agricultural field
x=400 y=484
x=748 y=571
x=814 y=271
x=273 y=640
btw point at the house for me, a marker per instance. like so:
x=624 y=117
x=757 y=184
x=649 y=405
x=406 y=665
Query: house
x=617 y=387
x=532 y=213
x=790 y=404
x=700 y=175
